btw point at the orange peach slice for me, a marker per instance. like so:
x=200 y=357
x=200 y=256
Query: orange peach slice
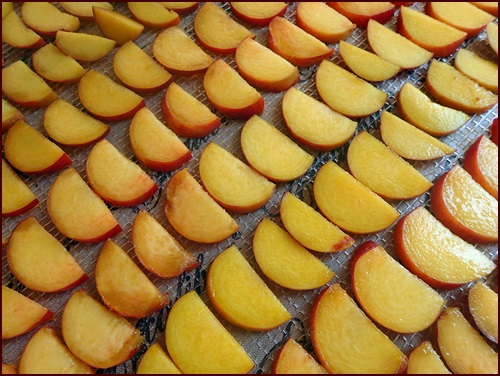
x=217 y=31
x=463 y=206
x=310 y=228
x=433 y=118
x=294 y=44
x=54 y=65
x=483 y=305
x=394 y=47
x=410 y=142
x=46 y=353
x=148 y=137
x=20 y=314
x=44 y=18
x=106 y=99
x=116 y=26
x=156 y=361
x=390 y=294
x=9 y=369
x=230 y=93
x=23 y=86
x=193 y=213
x=77 y=211
x=258 y=13
x=366 y=64
x=39 y=261
x=349 y=204
x=360 y=12
x=157 y=249
x=117 y=179
x=432 y=252
x=492 y=35
x=481 y=162
x=292 y=358
x=16 y=34
x=232 y=183
x=123 y=286
x=462 y=347
x=271 y=152
x=192 y=349
x=241 y=296
x=264 y=69
x=186 y=115
x=382 y=170
x=346 y=341
x=429 y=33
x=484 y=72
x=83 y=10
x=82 y=46
x=346 y=93
x=96 y=335
x=137 y=70
x=313 y=123
x=181 y=7
x=323 y=22
x=153 y=14
x=424 y=359
x=17 y=197
x=29 y=151
x=10 y=115
x=284 y=261
x=488 y=6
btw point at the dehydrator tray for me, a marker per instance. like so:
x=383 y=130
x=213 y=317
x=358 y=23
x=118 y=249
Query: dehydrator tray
x=261 y=346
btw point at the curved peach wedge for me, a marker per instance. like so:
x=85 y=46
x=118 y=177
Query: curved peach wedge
x=82 y=46
x=483 y=306
x=488 y=6
x=181 y=7
x=292 y=358
x=424 y=359
x=45 y=18
x=83 y=10
x=54 y=65
x=153 y=14
x=16 y=34
x=360 y=12
x=116 y=26
x=483 y=71
x=258 y=13
x=17 y=197
x=492 y=35
x=155 y=361
x=10 y=115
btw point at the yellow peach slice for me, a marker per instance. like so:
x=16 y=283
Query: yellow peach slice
x=82 y=46
x=360 y=12
x=17 y=197
x=181 y=7
x=424 y=359
x=488 y=6
x=7 y=7
x=9 y=369
x=484 y=72
x=116 y=26
x=292 y=358
x=46 y=19
x=155 y=361
x=83 y=10
x=481 y=162
x=483 y=305
x=492 y=35
x=16 y=34
x=258 y=13
x=10 y=115
x=153 y=14
x=54 y=65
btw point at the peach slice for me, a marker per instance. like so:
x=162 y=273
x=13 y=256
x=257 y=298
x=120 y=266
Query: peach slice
x=292 y=358
x=310 y=228
x=217 y=31
x=424 y=359
x=157 y=249
x=148 y=138
x=483 y=305
x=106 y=99
x=323 y=22
x=346 y=341
x=67 y=125
x=117 y=179
x=394 y=47
x=230 y=93
x=346 y=93
x=46 y=353
x=29 y=151
x=241 y=296
x=264 y=69
x=429 y=33
x=96 y=335
x=44 y=18
x=20 y=314
x=194 y=350
x=123 y=286
x=366 y=64
x=432 y=252
x=348 y=203
x=82 y=46
x=153 y=14
x=313 y=123
x=9 y=369
x=382 y=170
x=492 y=35
x=294 y=44
x=178 y=53
x=23 y=86
x=462 y=347
x=83 y=10
x=116 y=26
x=463 y=206
x=10 y=115
x=181 y=7
x=488 y=6
x=272 y=153
x=137 y=70
x=284 y=261
x=54 y=65
x=232 y=183
x=463 y=16
x=360 y=12
x=410 y=142
x=390 y=294
x=17 y=197
x=77 y=211
x=193 y=213
x=39 y=261
x=156 y=361
x=484 y=72
x=481 y=162
x=16 y=34
x=258 y=13
x=186 y=115
x=433 y=118
x=7 y=7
